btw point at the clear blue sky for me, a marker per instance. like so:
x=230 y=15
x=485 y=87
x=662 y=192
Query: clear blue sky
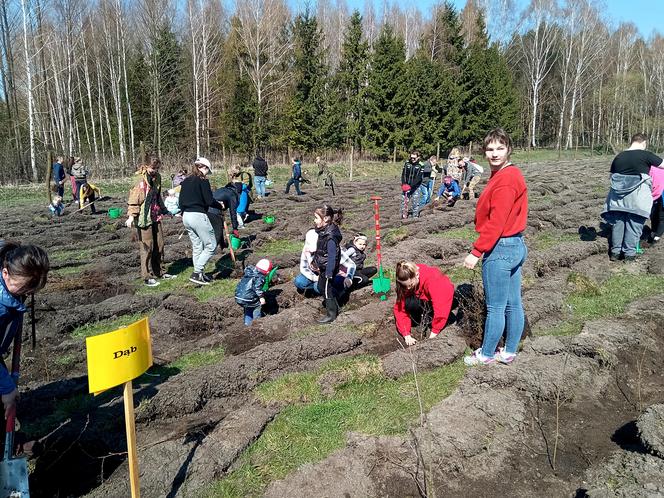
x=647 y=15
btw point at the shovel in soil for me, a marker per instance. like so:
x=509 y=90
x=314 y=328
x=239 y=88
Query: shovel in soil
x=381 y=285
x=13 y=471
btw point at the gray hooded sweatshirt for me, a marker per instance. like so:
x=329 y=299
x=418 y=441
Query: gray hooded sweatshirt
x=629 y=194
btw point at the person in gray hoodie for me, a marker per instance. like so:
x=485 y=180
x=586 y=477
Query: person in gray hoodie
x=629 y=201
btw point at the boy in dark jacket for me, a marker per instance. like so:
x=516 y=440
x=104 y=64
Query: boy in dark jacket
x=296 y=177
x=411 y=180
x=249 y=291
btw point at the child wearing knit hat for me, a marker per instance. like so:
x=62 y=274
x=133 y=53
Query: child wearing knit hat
x=249 y=291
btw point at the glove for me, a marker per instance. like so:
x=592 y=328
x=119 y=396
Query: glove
x=236 y=233
x=129 y=222
x=348 y=282
x=405 y=188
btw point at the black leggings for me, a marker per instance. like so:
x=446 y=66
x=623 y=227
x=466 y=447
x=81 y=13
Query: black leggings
x=657 y=218
x=362 y=276
x=325 y=286
x=420 y=311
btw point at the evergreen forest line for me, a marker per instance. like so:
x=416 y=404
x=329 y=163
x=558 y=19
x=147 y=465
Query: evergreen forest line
x=110 y=80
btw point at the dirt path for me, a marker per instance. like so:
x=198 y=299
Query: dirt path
x=495 y=433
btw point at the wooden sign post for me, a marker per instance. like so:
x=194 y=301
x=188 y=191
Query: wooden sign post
x=116 y=358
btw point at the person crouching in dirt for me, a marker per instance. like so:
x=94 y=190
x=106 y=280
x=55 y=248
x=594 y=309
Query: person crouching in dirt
x=355 y=251
x=24 y=271
x=327 y=257
x=500 y=219
x=449 y=191
x=228 y=198
x=307 y=280
x=411 y=181
x=195 y=200
x=88 y=194
x=472 y=174
x=146 y=209
x=424 y=294
x=249 y=291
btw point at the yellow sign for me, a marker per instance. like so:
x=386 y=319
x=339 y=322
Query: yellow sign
x=120 y=356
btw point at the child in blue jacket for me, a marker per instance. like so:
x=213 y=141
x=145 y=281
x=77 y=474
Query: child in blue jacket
x=449 y=190
x=249 y=291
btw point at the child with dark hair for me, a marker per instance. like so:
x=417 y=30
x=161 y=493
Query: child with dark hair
x=24 y=271
x=327 y=257
x=355 y=251
x=249 y=291
x=424 y=294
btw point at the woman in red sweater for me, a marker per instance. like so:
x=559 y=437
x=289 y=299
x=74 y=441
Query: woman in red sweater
x=500 y=219
x=421 y=289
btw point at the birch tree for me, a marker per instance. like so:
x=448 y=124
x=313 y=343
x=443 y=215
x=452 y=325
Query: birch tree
x=28 y=73
x=537 y=52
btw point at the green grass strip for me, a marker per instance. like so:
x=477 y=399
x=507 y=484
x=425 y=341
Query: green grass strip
x=315 y=424
x=107 y=325
x=610 y=299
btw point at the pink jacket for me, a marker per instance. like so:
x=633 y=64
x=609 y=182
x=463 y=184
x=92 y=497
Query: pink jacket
x=657 y=175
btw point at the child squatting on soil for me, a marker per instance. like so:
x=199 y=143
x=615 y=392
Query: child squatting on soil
x=500 y=219
x=355 y=251
x=327 y=257
x=421 y=290
x=249 y=291
x=24 y=271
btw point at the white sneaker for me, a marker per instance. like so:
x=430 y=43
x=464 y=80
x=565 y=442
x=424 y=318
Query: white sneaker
x=151 y=282
x=477 y=358
x=504 y=357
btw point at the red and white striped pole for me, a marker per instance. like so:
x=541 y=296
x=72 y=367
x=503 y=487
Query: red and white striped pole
x=379 y=259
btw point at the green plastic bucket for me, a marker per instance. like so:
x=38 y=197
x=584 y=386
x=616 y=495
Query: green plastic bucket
x=114 y=213
x=269 y=219
x=235 y=242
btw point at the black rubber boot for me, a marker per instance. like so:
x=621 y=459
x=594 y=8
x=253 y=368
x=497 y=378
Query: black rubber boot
x=332 y=308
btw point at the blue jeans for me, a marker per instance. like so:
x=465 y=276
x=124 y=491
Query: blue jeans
x=501 y=275
x=626 y=230
x=259 y=181
x=424 y=196
x=303 y=283
x=251 y=313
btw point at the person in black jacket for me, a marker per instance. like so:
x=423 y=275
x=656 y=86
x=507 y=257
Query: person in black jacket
x=327 y=257
x=411 y=180
x=195 y=200
x=227 y=197
x=260 y=175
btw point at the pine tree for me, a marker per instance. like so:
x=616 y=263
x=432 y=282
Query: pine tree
x=489 y=96
x=351 y=79
x=384 y=111
x=306 y=107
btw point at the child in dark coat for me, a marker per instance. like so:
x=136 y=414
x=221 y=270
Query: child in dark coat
x=355 y=251
x=249 y=291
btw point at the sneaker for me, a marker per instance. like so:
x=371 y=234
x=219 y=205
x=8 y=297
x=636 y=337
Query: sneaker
x=151 y=282
x=655 y=239
x=614 y=257
x=198 y=278
x=167 y=276
x=477 y=358
x=503 y=357
x=206 y=277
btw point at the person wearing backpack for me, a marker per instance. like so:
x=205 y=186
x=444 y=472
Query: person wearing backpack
x=24 y=270
x=249 y=291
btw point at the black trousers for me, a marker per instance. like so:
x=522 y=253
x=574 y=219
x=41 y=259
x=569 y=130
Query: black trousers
x=420 y=311
x=657 y=217
x=362 y=277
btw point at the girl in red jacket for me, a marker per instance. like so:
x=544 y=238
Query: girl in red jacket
x=500 y=219
x=421 y=290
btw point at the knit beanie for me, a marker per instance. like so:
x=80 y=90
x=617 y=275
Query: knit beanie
x=264 y=266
